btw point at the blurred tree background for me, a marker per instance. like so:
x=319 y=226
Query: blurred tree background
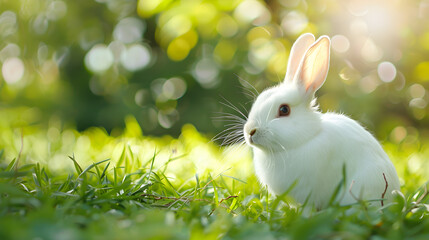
x=167 y=62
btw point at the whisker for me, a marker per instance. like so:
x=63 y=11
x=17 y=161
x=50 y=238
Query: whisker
x=229 y=134
x=248 y=93
x=234 y=122
x=232 y=118
x=233 y=107
x=248 y=83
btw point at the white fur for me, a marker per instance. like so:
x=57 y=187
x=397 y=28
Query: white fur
x=311 y=148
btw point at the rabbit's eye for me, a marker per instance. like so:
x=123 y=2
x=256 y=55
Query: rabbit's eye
x=284 y=110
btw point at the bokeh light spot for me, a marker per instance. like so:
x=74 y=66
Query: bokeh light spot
x=176 y=26
x=205 y=13
x=50 y=71
x=386 y=71
x=358 y=7
x=178 y=49
x=56 y=10
x=418 y=103
x=289 y=3
x=90 y=36
x=258 y=32
x=261 y=51
x=147 y=8
x=277 y=64
x=371 y=52
x=129 y=30
x=167 y=118
x=349 y=74
x=227 y=26
x=358 y=27
x=135 y=57
x=294 y=22
x=141 y=97
x=340 y=43
x=206 y=72
x=225 y=51
x=417 y=91
x=414 y=163
x=117 y=47
x=368 y=84
x=251 y=11
x=424 y=39
x=174 y=88
x=8 y=24
x=9 y=51
x=99 y=59
x=398 y=134
x=156 y=87
x=40 y=24
x=42 y=53
x=13 y=70
x=422 y=71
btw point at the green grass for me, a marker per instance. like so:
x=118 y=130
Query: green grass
x=64 y=184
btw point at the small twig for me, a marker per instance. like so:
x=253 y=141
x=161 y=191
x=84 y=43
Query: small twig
x=185 y=200
x=212 y=211
x=385 y=190
x=205 y=186
x=223 y=199
x=351 y=193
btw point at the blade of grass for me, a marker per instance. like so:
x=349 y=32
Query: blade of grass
x=115 y=176
x=197 y=186
x=98 y=171
x=91 y=166
x=129 y=161
x=237 y=179
x=341 y=185
x=76 y=165
x=11 y=165
x=170 y=185
x=20 y=151
x=104 y=170
x=216 y=194
x=151 y=164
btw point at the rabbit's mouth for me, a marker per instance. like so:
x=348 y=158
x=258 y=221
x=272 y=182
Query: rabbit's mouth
x=250 y=133
x=253 y=138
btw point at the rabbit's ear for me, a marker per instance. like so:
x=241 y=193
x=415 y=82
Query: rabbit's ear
x=297 y=52
x=315 y=65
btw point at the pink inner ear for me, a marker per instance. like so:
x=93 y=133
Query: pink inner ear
x=298 y=50
x=315 y=65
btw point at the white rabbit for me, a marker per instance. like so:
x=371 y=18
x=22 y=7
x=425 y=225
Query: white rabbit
x=294 y=143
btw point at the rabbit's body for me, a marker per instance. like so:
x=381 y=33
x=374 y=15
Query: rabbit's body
x=293 y=142
x=319 y=171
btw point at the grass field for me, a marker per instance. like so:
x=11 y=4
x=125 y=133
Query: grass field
x=58 y=183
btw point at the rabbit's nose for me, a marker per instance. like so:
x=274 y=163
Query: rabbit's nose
x=252 y=132
x=250 y=128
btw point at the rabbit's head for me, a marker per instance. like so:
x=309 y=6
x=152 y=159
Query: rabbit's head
x=284 y=117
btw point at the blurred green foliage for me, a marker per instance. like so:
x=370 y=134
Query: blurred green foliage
x=91 y=63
